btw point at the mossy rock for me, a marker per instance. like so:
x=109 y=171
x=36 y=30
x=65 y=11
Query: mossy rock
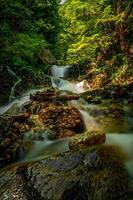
x=92 y=136
x=88 y=174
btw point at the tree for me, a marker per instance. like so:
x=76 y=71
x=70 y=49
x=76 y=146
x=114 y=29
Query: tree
x=95 y=27
x=28 y=27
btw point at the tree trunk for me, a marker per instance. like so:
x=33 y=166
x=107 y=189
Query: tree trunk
x=121 y=28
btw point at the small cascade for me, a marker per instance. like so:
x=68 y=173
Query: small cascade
x=62 y=84
x=60 y=71
x=82 y=86
x=47 y=147
x=88 y=120
x=17 y=82
x=83 y=107
x=18 y=102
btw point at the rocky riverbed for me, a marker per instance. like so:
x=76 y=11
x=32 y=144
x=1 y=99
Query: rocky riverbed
x=85 y=166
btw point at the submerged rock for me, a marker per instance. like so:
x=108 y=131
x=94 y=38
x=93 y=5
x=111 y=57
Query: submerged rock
x=92 y=136
x=90 y=174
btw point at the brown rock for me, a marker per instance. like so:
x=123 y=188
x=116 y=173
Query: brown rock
x=65 y=120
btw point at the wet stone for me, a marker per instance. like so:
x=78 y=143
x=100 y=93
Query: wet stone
x=66 y=163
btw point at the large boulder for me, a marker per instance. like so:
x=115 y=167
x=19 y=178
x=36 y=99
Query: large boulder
x=64 y=120
x=75 y=175
x=92 y=136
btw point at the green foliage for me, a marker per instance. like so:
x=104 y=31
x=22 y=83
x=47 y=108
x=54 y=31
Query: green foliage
x=91 y=27
x=26 y=48
x=28 y=27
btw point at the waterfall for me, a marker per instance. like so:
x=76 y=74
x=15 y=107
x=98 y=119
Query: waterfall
x=60 y=71
x=18 y=81
x=62 y=84
x=12 y=94
x=83 y=106
x=88 y=119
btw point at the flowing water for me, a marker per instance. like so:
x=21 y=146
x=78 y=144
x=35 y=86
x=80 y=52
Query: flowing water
x=43 y=148
x=18 y=102
x=17 y=82
x=60 y=71
x=65 y=85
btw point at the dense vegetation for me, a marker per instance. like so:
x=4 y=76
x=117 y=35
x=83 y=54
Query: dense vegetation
x=93 y=34
x=28 y=33
x=98 y=32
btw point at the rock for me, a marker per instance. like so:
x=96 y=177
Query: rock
x=92 y=136
x=11 y=134
x=111 y=117
x=115 y=92
x=64 y=120
x=34 y=107
x=9 y=140
x=37 y=130
x=21 y=117
x=70 y=175
x=17 y=186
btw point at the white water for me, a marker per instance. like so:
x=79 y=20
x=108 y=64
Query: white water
x=124 y=141
x=18 y=102
x=83 y=106
x=12 y=94
x=60 y=71
x=65 y=85
x=88 y=120
x=17 y=82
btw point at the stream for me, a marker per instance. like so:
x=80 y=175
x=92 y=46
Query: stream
x=122 y=140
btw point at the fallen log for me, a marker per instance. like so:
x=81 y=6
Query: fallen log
x=49 y=96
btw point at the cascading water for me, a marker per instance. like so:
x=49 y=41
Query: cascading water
x=18 y=102
x=66 y=85
x=83 y=106
x=17 y=82
x=47 y=147
x=12 y=94
x=60 y=71
x=62 y=84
